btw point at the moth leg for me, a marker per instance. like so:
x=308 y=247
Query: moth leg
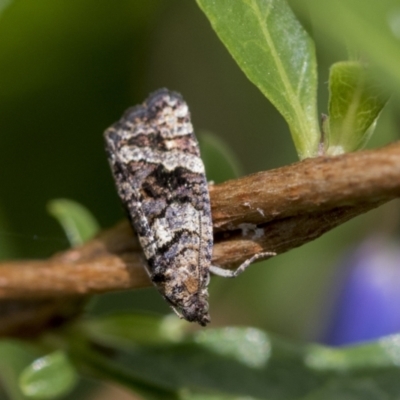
x=226 y=273
x=177 y=312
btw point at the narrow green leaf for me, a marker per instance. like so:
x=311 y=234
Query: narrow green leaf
x=277 y=55
x=248 y=363
x=100 y=366
x=221 y=164
x=354 y=106
x=14 y=357
x=77 y=221
x=48 y=377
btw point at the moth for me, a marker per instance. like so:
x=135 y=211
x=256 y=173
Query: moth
x=160 y=178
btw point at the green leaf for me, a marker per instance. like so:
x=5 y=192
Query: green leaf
x=14 y=357
x=354 y=106
x=100 y=366
x=121 y=330
x=77 y=221
x=48 y=377
x=277 y=55
x=221 y=164
x=246 y=362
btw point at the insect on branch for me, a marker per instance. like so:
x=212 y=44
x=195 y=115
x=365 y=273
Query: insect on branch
x=275 y=210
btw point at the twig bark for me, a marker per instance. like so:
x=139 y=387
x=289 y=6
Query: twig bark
x=275 y=210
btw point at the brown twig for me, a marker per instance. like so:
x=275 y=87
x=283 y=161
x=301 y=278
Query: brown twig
x=275 y=210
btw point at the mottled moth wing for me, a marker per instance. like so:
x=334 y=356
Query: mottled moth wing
x=160 y=178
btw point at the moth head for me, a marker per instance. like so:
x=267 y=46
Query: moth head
x=194 y=309
x=197 y=311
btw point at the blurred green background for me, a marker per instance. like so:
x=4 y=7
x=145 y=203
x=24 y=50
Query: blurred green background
x=69 y=68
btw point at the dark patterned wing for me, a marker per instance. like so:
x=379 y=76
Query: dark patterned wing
x=160 y=178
